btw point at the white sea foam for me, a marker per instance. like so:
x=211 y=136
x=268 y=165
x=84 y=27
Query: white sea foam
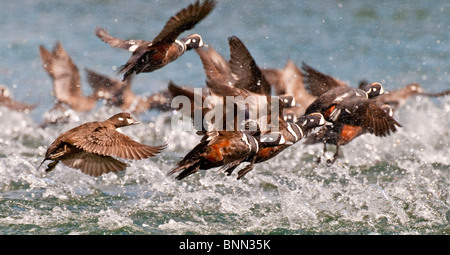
x=396 y=184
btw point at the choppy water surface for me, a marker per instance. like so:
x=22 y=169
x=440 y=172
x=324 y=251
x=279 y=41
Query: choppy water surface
x=393 y=185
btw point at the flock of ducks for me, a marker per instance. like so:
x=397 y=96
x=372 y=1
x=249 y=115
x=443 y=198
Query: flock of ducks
x=306 y=104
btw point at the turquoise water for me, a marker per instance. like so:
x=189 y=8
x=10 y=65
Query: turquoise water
x=393 y=185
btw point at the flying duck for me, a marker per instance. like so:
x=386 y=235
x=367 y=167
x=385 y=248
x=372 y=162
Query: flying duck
x=91 y=147
x=66 y=79
x=349 y=111
x=148 y=56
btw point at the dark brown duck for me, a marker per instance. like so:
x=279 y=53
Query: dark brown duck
x=350 y=111
x=148 y=56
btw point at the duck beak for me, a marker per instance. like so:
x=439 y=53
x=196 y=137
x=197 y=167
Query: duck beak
x=132 y=121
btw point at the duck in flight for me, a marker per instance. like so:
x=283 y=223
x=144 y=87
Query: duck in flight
x=148 y=56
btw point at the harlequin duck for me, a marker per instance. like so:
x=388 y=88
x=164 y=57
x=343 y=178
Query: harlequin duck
x=240 y=78
x=165 y=47
x=343 y=104
x=9 y=102
x=351 y=111
x=289 y=81
x=226 y=83
x=243 y=78
x=352 y=106
x=221 y=148
x=66 y=79
x=291 y=132
x=119 y=94
x=91 y=147
x=230 y=148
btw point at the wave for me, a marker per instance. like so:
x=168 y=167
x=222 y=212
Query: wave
x=396 y=184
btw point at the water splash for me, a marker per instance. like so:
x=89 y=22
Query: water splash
x=396 y=184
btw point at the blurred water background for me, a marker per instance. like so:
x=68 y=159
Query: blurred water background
x=393 y=185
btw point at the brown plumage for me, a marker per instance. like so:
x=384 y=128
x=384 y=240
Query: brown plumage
x=91 y=147
x=228 y=147
x=318 y=83
x=241 y=71
x=239 y=77
x=397 y=98
x=119 y=94
x=217 y=148
x=351 y=111
x=148 y=56
x=66 y=79
x=243 y=78
x=340 y=103
x=291 y=133
x=345 y=106
x=245 y=69
x=224 y=81
x=9 y=102
x=289 y=81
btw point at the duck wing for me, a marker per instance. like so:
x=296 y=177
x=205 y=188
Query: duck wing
x=318 y=82
x=185 y=19
x=113 y=143
x=93 y=164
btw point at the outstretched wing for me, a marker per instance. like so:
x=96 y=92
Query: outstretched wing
x=368 y=115
x=11 y=103
x=216 y=67
x=93 y=164
x=115 y=42
x=243 y=66
x=319 y=83
x=60 y=67
x=378 y=122
x=116 y=144
x=184 y=20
